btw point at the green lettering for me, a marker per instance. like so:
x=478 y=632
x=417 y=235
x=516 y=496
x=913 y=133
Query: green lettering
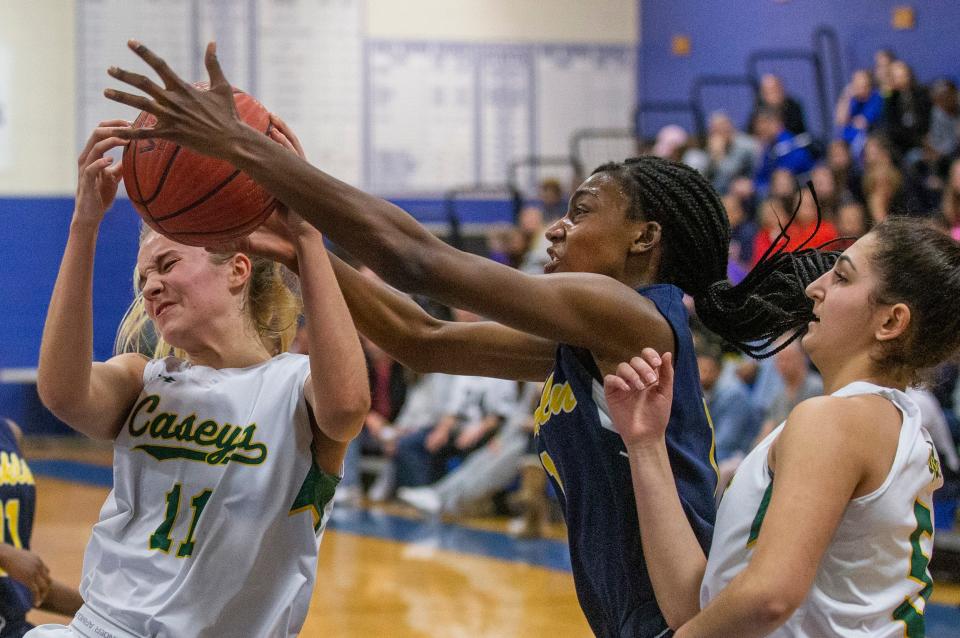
x=153 y=401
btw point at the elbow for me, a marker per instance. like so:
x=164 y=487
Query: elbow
x=55 y=399
x=774 y=608
x=344 y=422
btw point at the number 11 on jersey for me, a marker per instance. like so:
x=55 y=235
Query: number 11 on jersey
x=161 y=540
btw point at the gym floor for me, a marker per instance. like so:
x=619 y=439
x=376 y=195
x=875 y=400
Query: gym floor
x=382 y=570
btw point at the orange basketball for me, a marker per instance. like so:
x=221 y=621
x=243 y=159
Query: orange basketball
x=191 y=198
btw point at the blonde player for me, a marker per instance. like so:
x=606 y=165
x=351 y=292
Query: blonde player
x=827 y=527
x=226 y=452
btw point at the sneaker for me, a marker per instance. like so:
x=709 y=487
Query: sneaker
x=382 y=488
x=424 y=499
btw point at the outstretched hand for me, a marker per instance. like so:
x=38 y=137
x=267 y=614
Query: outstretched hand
x=205 y=121
x=640 y=396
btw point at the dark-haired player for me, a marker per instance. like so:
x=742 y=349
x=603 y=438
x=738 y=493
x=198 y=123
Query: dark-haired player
x=635 y=237
x=827 y=527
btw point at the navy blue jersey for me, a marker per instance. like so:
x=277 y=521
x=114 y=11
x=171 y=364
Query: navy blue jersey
x=18 y=497
x=588 y=464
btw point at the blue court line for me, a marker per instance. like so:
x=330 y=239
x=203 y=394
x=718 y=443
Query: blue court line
x=942 y=621
x=75 y=471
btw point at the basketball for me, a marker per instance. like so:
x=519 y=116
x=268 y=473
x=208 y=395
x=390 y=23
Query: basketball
x=191 y=198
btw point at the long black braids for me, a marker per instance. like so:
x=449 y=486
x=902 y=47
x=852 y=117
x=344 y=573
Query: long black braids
x=767 y=310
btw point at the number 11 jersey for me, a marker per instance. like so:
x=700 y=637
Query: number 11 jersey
x=214 y=521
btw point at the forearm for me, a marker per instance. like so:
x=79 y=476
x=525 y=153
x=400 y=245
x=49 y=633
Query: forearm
x=674 y=558
x=376 y=232
x=66 y=348
x=742 y=609
x=337 y=367
x=62 y=599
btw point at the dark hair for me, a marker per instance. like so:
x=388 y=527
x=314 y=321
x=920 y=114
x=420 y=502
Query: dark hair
x=919 y=266
x=695 y=238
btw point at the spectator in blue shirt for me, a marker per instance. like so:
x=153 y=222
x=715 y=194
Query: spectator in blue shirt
x=735 y=424
x=858 y=110
x=781 y=149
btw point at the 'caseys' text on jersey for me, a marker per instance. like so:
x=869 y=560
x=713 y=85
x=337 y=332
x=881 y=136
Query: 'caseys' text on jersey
x=229 y=442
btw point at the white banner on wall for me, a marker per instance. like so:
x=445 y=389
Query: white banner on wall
x=310 y=72
x=103 y=28
x=6 y=116
x=395 y=117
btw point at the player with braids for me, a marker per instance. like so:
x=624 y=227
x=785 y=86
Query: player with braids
x=636 y=235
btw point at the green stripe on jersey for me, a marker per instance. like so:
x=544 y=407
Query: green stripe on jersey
x=761 y=513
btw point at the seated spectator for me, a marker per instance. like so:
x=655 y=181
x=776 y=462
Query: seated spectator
x=852 y=222
x=950 y=206
x=424 y=406
x=735 y=426
x=742 y=235
x=800 y=383
x=883 y=59
x=730 y=153
x=781 y=149
x=858 y=110
x=552 y=200
x=475 y=408
x=943 y=140
x=883 y=184
x=535 y=243
x=846 y=172
x=827 y=192
x=773 y=96
x=487 y=471
x=772 y=217
x=804 y=232
x=906 y=113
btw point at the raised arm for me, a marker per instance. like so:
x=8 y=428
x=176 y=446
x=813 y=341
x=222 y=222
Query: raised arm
x=640 y=396
x=586 y=310
x=93 y=398
x=337 y=390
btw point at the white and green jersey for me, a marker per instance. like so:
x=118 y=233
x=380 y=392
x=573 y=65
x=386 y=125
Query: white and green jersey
x=873 y=579
x=214 y=521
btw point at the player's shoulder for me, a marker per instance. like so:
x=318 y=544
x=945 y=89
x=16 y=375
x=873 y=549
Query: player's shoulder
x=849 y=421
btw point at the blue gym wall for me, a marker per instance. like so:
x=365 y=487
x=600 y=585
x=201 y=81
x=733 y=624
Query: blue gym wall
x=723 y=33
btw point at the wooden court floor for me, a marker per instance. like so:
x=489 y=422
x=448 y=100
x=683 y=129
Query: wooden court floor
x=384 y=574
